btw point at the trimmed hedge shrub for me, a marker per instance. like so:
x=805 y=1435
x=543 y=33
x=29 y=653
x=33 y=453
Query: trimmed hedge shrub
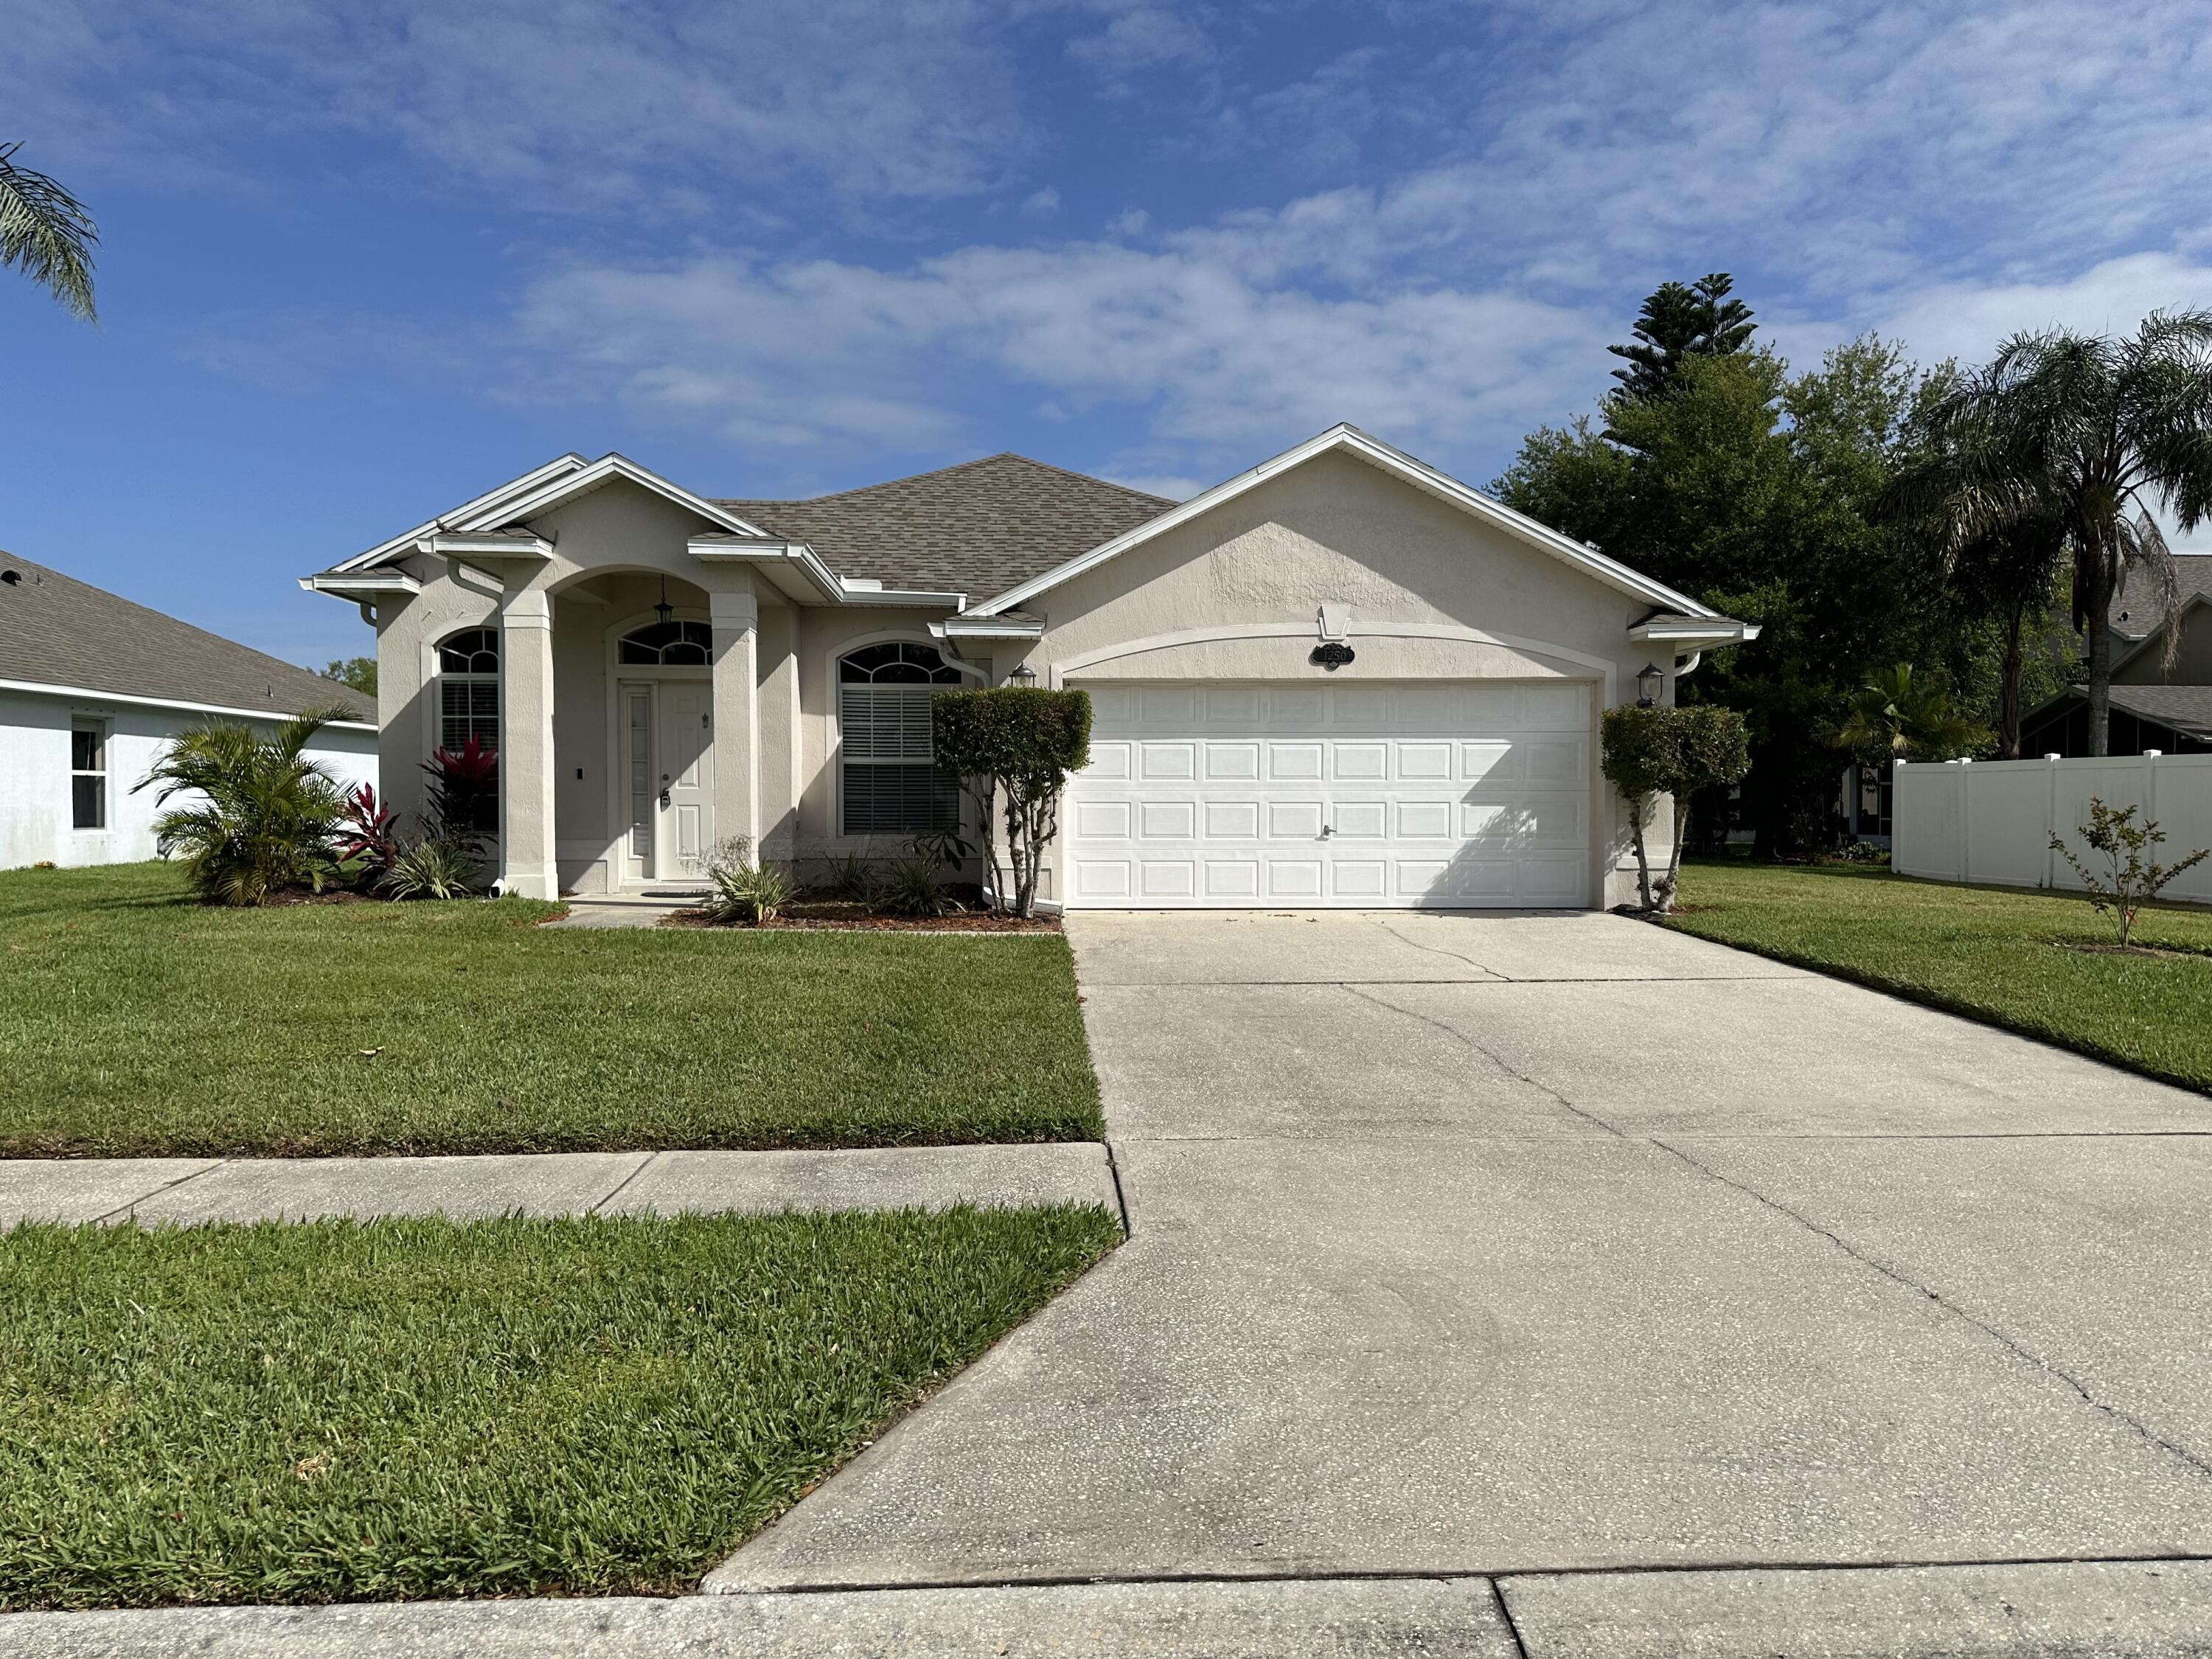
x=1013 y=747
x=1650 y=751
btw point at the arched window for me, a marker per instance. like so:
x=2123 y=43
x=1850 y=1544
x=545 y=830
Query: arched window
x=468 y=689
x=891 y=785
x=669 y=645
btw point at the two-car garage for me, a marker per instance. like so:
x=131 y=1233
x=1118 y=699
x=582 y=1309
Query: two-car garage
x=1356 y=794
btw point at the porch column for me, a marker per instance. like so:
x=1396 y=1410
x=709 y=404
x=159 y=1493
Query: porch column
x=736 y=616
x=526 y=743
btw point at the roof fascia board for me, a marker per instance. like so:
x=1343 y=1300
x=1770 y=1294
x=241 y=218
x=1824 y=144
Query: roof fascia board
x=1388 y=460
x=488 y=546
x=369 y=582
x=597 y=473
x=89 y=694
x=513 y=487
x=985 y=627
x=1725 y=631
x=715 y=550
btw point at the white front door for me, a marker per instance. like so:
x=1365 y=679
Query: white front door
x=1362 y=795
x=685 y=755
x=668 y=778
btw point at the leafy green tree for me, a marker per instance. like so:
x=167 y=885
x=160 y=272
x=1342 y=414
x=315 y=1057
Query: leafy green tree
x=45 y=234
x=2090 y=432
x=2129 y=880
x=2009 y=574
x=1015 y=747
x=1678 y=321
x=359 y=672
x=1647 y=751
x=1755 y=491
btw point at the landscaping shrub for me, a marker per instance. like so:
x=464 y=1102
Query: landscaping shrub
x=746 y=892
x=1653 y=751
x=435 y=867
x=1013 y=747
x=2128 y=881
x=267 y=816
x=463 y=791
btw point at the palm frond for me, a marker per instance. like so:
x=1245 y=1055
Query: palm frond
x=46 y=234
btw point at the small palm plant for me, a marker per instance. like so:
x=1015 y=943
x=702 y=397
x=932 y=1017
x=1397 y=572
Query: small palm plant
x=265 y=815
x=2129 y=880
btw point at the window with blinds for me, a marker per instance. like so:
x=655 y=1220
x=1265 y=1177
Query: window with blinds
x=468 y=690
x=891 y=785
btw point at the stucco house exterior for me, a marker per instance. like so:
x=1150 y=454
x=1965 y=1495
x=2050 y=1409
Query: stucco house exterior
x=92 y=689
x=1341 y=678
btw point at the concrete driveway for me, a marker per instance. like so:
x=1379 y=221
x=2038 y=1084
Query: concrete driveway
x=1529 y=1245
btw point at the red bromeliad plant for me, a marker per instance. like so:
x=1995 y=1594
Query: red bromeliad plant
x=370 y=831
x=465 y=791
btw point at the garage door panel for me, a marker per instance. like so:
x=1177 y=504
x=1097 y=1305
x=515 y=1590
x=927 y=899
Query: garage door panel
x=1434 y=793
x=1167 y=820
x=1230 y=763
x=1231 y=820
x=1360 y=819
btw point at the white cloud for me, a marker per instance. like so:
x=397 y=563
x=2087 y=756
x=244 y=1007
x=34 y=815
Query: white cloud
x=1139 y=36
x=1965 y=321
x=1216 y=362
x=554 y=102
x=1042 y=203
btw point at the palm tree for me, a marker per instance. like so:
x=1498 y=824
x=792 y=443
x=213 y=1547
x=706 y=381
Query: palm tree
x=2091 y=432
x=45 y=234
x=1899 y=715
x=264 y=815
x=2011 y=573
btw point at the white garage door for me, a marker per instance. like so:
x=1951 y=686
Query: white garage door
x=1363 y=796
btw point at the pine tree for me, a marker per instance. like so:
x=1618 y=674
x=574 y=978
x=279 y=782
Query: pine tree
x=1678 y=321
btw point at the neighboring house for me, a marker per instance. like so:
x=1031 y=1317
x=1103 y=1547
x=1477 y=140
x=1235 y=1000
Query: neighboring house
x=91 y=687
x=1340 y=678
x=2154 y=706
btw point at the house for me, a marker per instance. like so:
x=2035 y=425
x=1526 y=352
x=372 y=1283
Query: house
x=1340 y=678
x=2154 y=706
x=91 y=687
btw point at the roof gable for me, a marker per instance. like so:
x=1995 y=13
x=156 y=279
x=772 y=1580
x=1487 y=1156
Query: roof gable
x=567 y=486
x=1349 y=439
x=56 y=630
x=980 y=526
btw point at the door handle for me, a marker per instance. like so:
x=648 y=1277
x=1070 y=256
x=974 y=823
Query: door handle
x=1327 y=830
x=664 y=788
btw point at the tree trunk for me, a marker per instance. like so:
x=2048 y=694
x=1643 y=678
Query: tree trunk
x=2009 y=709
x=2099 y=622
x=1675 y=858
x=1642 y=861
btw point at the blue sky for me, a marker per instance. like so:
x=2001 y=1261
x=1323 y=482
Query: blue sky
x=364 y=259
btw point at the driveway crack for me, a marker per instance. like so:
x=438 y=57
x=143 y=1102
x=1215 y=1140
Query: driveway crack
x=2005 y=1339
x=1433 y=949
x=1465 y=1041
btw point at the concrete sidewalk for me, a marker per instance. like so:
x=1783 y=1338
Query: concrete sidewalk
x=151 y=1190
x=2109 y=1610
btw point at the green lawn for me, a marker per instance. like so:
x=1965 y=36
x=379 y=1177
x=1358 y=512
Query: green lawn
x=134 y=1021
x=1993 y=953
x=347 y=1411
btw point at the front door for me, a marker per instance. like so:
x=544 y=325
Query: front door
x=685 y=757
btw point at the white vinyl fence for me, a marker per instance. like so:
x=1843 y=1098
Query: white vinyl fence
x=1992 y=821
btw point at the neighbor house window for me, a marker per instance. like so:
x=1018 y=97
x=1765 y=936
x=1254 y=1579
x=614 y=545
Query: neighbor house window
x=669 y=645
x=468 y=690
x=890 y=785
x=89 y=774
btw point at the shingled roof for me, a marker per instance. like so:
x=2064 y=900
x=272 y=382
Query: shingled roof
x=56 y=630
x=2135 y=613
x=978 y=528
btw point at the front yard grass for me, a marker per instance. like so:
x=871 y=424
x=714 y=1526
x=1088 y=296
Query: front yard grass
x=134 y=1022
x=1996 y=954
x=400 y=1408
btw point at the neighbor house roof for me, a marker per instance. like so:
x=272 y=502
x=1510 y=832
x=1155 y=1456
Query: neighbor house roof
x=2136 y=612
x=980 y=527
x=58 y=631
x=2186 y=710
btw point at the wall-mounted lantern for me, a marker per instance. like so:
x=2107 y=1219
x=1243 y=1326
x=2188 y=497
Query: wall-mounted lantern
x=1650 y=681
x=1023 y=675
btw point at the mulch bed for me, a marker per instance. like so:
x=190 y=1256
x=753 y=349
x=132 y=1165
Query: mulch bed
x=2132 y=950
x=291 y=895
x=839 y=915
